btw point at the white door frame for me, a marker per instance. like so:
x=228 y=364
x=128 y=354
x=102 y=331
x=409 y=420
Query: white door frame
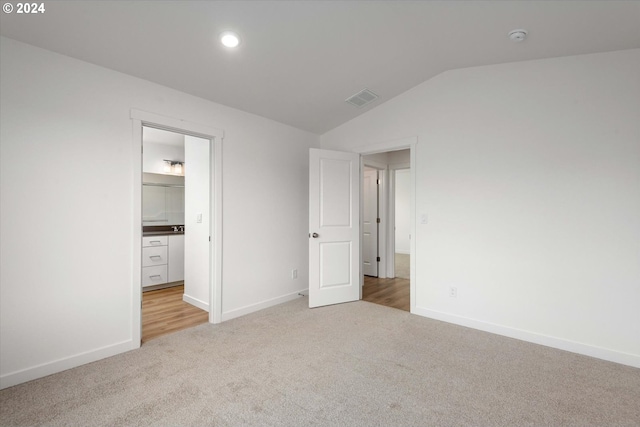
x=383 y=175
x=393 y=168
x=383 y=147
x=215 y=136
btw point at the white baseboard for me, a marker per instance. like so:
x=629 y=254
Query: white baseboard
x=549 y=341
x=262 y=305
x=403 y=252
x=196 y=302
x=49 y=368
x=39 y=371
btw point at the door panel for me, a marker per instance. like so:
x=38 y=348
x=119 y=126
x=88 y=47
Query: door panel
x=334 y=261
x=334 y=210
x=335 y=192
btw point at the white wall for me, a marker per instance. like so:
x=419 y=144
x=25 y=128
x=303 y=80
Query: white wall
x=197 y=219
x=399 y=158
x=153 y=163
x=529 y=173
x=66 y=177
x=402 y=212
x=155 y=154
x=380 y=158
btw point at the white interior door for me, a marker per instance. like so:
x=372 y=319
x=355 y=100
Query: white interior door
x=370 y=222
x=334 y=227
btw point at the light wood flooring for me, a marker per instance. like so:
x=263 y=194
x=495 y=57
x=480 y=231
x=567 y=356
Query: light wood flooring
x=164 y=312
x=389 y=292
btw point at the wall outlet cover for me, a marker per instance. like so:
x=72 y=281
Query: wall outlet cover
x=453 y=292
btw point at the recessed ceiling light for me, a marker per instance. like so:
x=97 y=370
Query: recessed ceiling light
x=230 y=39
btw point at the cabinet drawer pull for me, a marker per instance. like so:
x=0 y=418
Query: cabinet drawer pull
x=155 y=242
x=155 y=256
x=155 y=276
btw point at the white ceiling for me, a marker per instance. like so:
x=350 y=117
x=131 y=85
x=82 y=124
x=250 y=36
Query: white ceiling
x=164 y=137
x=300 y=60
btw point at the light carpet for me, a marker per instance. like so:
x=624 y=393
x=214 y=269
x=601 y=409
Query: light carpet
x=356 y=364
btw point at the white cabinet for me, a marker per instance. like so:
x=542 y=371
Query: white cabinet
x=154 y=255
x=154 y=275
x=162 y=259
x=154 y=260
x=154 y=241
x=175 y=264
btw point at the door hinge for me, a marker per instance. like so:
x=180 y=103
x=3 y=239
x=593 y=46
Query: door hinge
x=378 y=259
x=378 y=181
x=378 y=220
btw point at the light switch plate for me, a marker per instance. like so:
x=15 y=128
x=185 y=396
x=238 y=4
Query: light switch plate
x=198 y=217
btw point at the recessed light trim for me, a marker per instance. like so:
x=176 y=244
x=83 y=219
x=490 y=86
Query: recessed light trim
x=230 y=39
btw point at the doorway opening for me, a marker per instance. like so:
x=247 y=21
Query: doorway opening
x=177 y=220
x=175 y=246
x=386 y=228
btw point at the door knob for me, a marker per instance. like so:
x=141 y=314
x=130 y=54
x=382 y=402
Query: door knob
x=315 y=235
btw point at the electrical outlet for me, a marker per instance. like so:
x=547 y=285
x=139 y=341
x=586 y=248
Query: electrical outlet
x=294 y=273
x=453 y=292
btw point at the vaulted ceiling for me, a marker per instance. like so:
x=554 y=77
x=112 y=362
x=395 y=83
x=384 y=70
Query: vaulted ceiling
x=299 y=60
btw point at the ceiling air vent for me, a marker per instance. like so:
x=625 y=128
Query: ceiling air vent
x=362 y=98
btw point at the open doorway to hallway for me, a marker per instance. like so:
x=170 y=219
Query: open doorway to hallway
x=386 y=229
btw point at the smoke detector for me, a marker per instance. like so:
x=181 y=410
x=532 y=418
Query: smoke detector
x=362 y=98
x=518 y=35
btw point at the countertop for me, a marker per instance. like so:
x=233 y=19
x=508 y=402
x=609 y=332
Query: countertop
x=160 y=230
x=161 y=233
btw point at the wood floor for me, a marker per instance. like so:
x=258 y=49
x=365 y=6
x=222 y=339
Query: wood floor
x=389 y=292
x=164 y=312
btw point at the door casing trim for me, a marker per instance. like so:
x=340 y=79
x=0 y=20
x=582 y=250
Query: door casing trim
x=139 y=119
x=382 y=147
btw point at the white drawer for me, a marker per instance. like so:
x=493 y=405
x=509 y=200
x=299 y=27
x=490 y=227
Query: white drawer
x=154 y=255
x=155 y=275
x=154 y=241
